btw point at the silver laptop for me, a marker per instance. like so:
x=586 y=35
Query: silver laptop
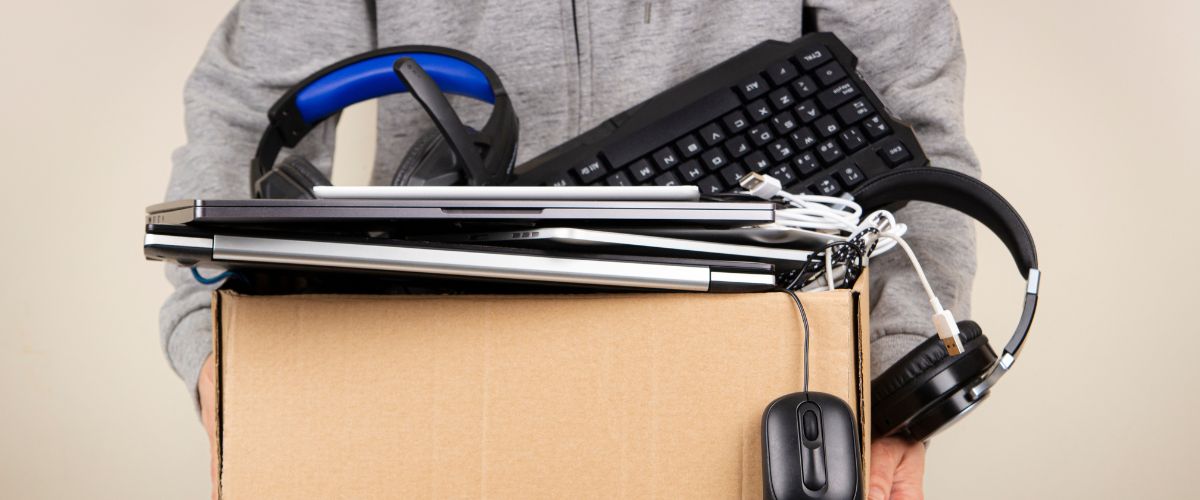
x=578 y=238
x=347 y=211
x=191 y=246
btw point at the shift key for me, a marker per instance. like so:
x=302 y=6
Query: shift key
x=833 y=97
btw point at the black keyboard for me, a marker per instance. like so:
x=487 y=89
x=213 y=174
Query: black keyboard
x=798 y=111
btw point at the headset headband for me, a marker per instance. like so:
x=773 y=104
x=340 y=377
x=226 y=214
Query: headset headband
x=979 y=201
x=368 y=76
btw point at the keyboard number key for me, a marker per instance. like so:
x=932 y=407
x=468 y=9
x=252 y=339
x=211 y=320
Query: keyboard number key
x=852 y=139
x=752 y=88
x=785 y=175
x=689 y=146
x=806 y=164
x=829 y=151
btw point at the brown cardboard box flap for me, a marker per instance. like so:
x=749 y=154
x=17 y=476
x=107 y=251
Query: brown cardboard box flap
x=565 y=396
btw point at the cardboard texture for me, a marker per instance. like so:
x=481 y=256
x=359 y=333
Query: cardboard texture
x=564 y=396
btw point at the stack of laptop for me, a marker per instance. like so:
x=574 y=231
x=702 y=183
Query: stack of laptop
x=469 y=238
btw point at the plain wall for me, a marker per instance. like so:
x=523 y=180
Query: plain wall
x=1084 y=117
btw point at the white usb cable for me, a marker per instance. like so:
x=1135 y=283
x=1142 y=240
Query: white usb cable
x=825 y=213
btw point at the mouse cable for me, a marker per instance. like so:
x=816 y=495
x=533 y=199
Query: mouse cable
x=804 y=319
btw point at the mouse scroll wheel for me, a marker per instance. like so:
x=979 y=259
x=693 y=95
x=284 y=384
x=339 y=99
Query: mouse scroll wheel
x=812 y=430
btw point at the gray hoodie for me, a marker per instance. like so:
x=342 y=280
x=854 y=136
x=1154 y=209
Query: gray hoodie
x=568 y=65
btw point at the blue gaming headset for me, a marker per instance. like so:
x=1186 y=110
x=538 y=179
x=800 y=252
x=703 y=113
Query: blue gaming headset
x=455 y=155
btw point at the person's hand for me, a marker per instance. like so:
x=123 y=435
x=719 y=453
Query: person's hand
x=207 y=387
x=897 y=470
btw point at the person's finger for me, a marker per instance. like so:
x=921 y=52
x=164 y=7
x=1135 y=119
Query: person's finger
x=909 y=481
x=885 y=458
x=207 y=389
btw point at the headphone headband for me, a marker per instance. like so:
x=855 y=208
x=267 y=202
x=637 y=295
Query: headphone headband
x=368 y=76
x=979 y=201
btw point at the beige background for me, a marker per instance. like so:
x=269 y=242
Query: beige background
x=1084 y=117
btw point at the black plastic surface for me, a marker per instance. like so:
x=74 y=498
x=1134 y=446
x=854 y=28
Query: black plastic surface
x=801 y=462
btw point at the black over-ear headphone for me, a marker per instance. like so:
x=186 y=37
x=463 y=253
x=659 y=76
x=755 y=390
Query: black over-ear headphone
x=927 y=389
x=456 y=155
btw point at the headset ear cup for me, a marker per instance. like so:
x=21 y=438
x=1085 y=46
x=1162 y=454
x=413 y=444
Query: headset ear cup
x=903 y=391
x=293 y=178
x=430 y=162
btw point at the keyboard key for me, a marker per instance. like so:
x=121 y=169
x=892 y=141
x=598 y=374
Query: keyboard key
x=714 y=159
x=876 y=127
x=760 y=135
x=735 y=122
x=805 y=87
x=806 y=164
x=814 y=57
x=804 y=138
x=738 y=147
x=757 y=161
x=780 y=150
x=758 y=110
x=781 y=98
x=641 y=170
x=829 y=151
x=834 y=96
x=807 y=111
x=590 y=172
x=689 y=146
x=752 y=88
x=732 y=174
x=850 y=176
x=785 y=175
x=618 y=179
x=561 y=180
x=855 y=111
x=691 y=170
x=827 y=187
x=784 y=122
x=852 y=139
x=830 y=73
x=893 y=152
x=827 y=126
x=712 y=135
x=667 y=179
x=665 y=158
x=781 y=72
x=710 y=185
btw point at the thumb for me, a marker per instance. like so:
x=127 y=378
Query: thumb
x=885 y=459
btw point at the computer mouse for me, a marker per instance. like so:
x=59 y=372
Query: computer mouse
x=810 y=449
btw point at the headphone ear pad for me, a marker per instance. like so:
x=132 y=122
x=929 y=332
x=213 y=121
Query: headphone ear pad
x=926 y=355
x=293 y=178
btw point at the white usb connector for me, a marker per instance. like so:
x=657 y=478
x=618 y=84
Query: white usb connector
x=947 y=330
x=762 y=186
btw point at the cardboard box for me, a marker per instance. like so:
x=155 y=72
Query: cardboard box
x=503 y=397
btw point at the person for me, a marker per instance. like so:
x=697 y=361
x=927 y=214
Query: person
x=568 y=65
